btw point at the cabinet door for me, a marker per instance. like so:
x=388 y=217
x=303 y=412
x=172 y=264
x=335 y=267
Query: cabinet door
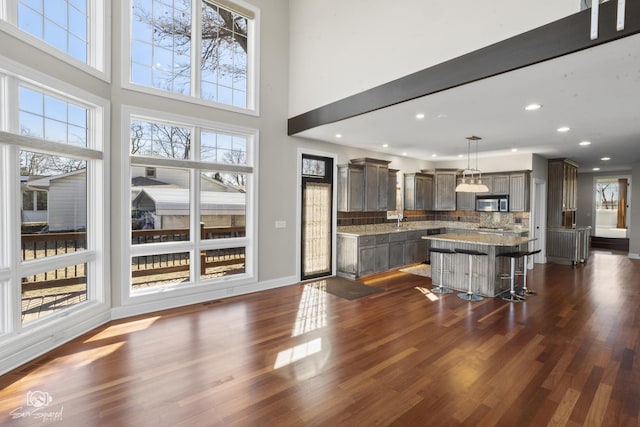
x=381 y=257
x=501 y=184
x=445 y=191
x=419 y=197
x=383 y=188
x=350 y=189
x=391 y=190
x=410 y=192
x=396 y=254
x=465 y=201
x=371 y=187
x=367 y=261
x=519 y=192
x=427 y=193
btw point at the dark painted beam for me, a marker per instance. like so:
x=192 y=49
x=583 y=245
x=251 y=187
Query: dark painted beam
x=559 y=38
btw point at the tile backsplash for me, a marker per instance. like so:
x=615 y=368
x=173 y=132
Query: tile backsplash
x=484 y=219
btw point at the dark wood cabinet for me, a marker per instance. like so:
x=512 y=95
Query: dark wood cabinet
x=363 y=185
x=445 y=190
x=562 y=192
x=465 y=201
x=376 y=182
x=350 y=188
x=418 y=191
x=519 y=192
x=392 y=186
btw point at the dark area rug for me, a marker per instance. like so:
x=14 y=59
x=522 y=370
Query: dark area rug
x=344 y=288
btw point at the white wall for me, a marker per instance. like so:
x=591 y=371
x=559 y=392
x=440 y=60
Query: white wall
x=514 y=162
x=339 y=48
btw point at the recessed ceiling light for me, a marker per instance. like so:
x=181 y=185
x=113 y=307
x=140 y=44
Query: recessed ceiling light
x=533 y=107
x=605 y=158
x=441 y=116
x=513 y=150
x=404 y=154
x=338 y=135
x=585 y=143
x=563 y=129
x=420 y=116
x=385 y=145
x=434 y=155
x=460 y=155
x=596 y=169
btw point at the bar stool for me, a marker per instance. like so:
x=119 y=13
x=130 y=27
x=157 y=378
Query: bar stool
x=469 y=295
x=441 y=289
x=513 y=297
x=525 y=255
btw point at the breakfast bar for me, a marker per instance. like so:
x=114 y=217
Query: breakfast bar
x=488 y=271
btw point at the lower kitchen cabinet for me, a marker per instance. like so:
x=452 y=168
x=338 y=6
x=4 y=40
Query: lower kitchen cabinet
x=364 y=255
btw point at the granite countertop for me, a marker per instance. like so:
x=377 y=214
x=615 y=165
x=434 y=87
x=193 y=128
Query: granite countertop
x=372 y=229
x=480 y=239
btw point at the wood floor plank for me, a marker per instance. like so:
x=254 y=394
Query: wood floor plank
x=296 y=356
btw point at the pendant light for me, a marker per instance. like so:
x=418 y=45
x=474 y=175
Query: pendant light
x=471 y=184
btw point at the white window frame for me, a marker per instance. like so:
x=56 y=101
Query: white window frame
x=98 y=33
x=97 y=253
x=253 y=61
x=195 y=285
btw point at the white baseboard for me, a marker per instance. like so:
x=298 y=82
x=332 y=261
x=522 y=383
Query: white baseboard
x=135 y=309
x=26 y=346
x=634 y=255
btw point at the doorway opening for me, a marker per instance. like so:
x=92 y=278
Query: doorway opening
x=317 y=217
x=611 y=213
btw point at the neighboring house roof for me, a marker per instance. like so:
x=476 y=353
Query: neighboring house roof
x=175 y=201
x=45 y=183
x=141 y=181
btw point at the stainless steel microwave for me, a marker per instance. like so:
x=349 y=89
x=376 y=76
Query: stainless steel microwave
x=499 y=203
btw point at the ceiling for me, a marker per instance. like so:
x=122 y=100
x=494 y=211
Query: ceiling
x=594 y=92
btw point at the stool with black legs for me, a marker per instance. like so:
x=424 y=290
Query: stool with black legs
x=512 y=296
x=525 y=266
x=469 y=295
x=441 y=289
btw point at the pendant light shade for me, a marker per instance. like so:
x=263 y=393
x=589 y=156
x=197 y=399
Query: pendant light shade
x=470 y=183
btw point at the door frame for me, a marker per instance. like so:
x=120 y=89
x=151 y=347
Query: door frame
x=334 y=207
x=539 y=220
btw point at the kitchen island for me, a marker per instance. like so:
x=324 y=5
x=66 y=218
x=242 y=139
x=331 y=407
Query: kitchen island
x=488 y=270
x=375 y=248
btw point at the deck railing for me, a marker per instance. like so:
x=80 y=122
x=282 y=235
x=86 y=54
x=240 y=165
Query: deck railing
x=35 y=246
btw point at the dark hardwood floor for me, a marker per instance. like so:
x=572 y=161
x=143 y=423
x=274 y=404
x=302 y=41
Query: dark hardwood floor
x=297 y=356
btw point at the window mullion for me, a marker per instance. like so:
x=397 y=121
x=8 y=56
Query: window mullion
x=196 y=41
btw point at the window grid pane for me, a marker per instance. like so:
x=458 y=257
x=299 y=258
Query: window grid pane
x=51 y=118
x=60 y=23
x=161 y=46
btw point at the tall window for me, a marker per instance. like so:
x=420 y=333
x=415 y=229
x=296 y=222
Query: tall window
x=52 y=164
x=191 y=223
x=76 y=29
x=166 y=32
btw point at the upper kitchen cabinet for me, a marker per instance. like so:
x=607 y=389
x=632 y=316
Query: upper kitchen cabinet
x=418 y=191
x=498 y=184
x=392 y=197
x=363 y=185
x=519 y=191
x=350 y=188
x=445 y=189
x=562 y=192
x=465 y=201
